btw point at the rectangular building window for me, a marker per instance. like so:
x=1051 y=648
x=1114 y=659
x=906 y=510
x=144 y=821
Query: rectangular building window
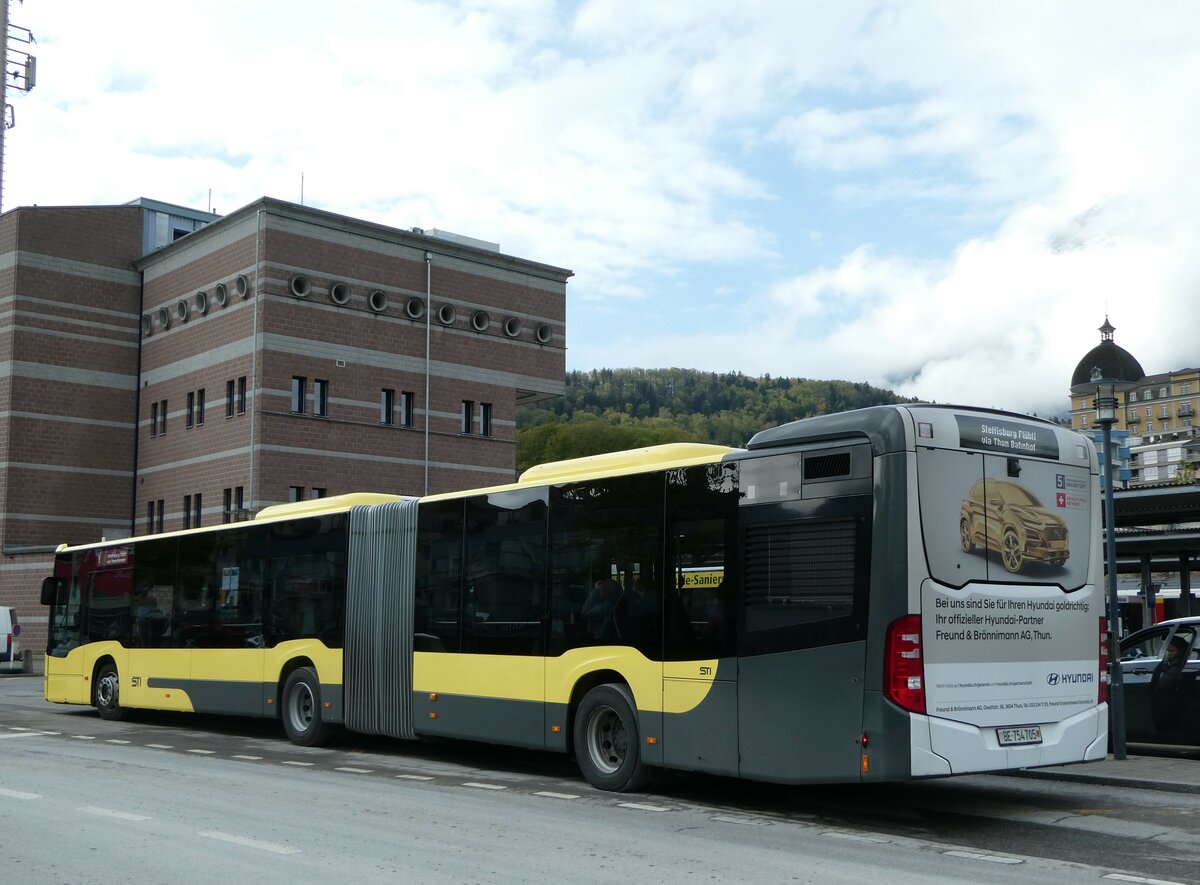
x=321 y=398
x=387 y=406
x=1185 y=389
x=187 y=511
x=162 y=416
x=241 y=410
x=299 y=393
x=319 y=492
x=468 y=410
x=191 y=409
x=197 y=510
x=200 y=406
x=485 y=419
x=229 y=398
x=408 y=409
x=161 y=518
x=149 y=517
x=154 y=418
x=295 y=493
x=227 y=502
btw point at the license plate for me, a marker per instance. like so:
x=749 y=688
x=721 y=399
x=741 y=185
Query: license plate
x=1027 y=734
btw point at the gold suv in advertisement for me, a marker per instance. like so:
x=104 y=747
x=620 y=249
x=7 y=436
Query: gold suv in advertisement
x=1006 y=517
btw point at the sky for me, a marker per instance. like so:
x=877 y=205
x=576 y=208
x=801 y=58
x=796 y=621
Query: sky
x=942 y=199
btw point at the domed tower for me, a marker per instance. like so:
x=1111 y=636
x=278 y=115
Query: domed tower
x=1115 y=367
x=1107 y=361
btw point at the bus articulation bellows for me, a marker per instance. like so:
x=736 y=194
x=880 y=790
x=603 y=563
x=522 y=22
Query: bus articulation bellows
x=891 y=593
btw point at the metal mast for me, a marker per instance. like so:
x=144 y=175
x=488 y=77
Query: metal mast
x=19 y=69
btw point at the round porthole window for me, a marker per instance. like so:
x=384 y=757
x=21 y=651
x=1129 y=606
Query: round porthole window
x=512 y=327
x=220 y=295
x=181 y=310
x=164 y=317
x=340 y=293
x=378 y=301
x=544 y=333
x=300 y=285
x=241 y=285
x=201 y=301
x=446 y=314
x=414 y=308
x=480 y=321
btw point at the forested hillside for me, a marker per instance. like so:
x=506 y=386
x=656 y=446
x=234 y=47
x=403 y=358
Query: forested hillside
x=606 y=410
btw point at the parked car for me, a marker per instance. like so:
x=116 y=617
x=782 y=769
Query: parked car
x=10 y=646
x=1160 y=666
x=1004 y=516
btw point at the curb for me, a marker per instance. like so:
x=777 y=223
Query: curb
x=1107 y=781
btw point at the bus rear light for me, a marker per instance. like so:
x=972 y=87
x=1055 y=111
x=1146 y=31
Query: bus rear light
x=904 y=668
x=1102 y=687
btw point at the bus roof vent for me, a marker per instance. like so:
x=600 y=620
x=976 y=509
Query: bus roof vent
x=835 y=465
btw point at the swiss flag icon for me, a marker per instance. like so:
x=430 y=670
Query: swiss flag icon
x=1060 y=499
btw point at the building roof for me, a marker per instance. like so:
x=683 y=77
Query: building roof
x=1106 y=360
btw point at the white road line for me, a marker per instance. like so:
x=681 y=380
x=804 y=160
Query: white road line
x=20 y=734
x=637 y=806
x=989 y=858
x=414 y=777
x=115 y=741
x=109 y=812
x=353 y=770
x=744 y=821
x=17 y=794
x=84 y=737
x=1142 y=880
x=249 y=758
x=301 y=764
x=479 y=786
x=160 y=746
x=273 y=847
x=202 y=752
x=18 y=728
x=550 y=795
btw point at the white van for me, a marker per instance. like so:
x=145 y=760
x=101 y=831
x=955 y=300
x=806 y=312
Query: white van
x=10 y=646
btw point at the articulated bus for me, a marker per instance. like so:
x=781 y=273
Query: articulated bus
x=897 y=592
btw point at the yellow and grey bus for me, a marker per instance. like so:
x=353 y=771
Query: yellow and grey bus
x=896 y=592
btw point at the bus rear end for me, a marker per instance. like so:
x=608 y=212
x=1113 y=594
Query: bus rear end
x=1002 y=664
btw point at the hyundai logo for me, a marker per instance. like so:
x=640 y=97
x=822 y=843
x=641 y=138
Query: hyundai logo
x=1052 y=679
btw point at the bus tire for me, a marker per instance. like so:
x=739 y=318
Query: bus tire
x=107 y=693
x=301 y=710
x=607 y=741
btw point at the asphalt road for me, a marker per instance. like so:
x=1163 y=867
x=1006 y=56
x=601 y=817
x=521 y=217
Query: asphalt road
x=168 y=798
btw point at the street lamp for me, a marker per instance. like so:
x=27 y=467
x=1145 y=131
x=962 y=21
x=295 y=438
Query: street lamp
x=1106 y=417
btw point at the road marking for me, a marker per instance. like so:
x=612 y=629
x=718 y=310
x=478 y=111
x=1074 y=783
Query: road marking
x=84 y=737
x=20 y=734
x=108 y=812
x=202 y=752
x=301 y=764
x=989 y=858
x=478 y=786
x=353 y=770
x=550 y=795
x=1121 y=877
x=17 y=794
x=115 y=741
x=273 y=847
x=637 y=806
x=744 y=821
x=160 y=746
x=414 y=777
x=249 y=758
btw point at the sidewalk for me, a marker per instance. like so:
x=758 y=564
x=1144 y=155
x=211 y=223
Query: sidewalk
x=1177 y=770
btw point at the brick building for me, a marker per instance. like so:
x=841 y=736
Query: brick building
x=162 y=368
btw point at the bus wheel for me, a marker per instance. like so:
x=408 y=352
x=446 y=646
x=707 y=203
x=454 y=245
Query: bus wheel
x=108 y=689
x=1014 y=558
x=607 y=745
x=302 y=709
